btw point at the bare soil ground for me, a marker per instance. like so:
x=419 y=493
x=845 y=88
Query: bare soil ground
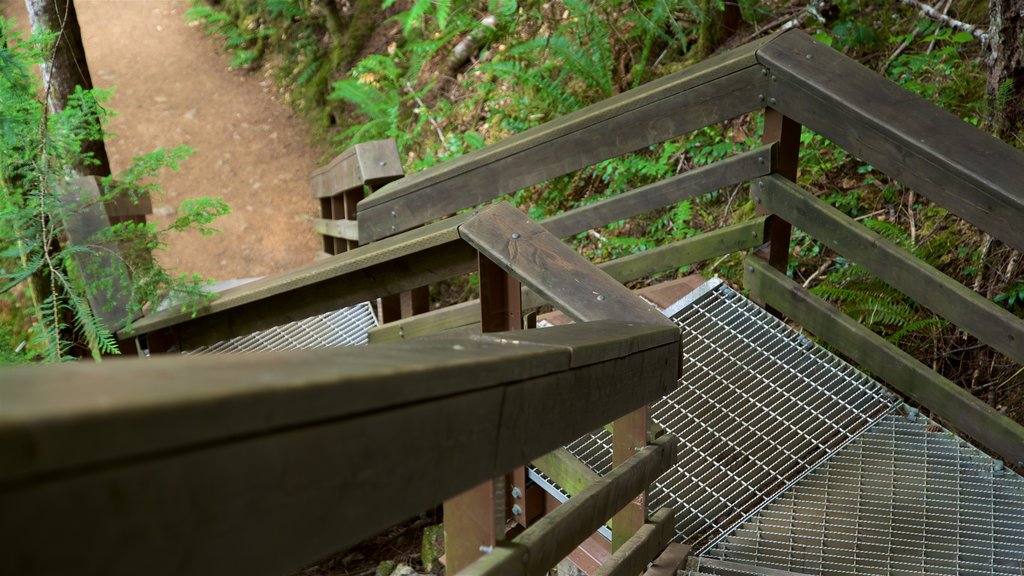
x=174 y=86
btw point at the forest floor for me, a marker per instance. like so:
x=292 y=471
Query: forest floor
x=173 y=87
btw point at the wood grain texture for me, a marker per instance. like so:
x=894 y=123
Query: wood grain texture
x=634 y=555
x=699 y=248
x=717 y=89
x=404 y=262
x=268 y=464
x=670 y=561
x=951 y=162
x=566 y=470
x=551 y=538
x=929 y=287
x=368 y=163
x=108 y=285
x=551 y=269
x=945 y=399
x=346 y=229
x=729 y=172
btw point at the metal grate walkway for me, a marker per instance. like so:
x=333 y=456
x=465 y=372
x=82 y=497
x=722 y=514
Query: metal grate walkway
x=794 y=462
x=345 y=327
x=907 y=497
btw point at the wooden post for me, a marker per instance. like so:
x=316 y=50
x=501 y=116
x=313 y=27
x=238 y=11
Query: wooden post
x=785 y=131
x=629 y=434
x=476 y=519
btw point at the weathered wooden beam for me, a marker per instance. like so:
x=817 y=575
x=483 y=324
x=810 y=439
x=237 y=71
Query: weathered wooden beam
x=634 y=555
x=393 y=265
x=945 y=399
x=368 y=163
x=566 y=470
x=345 y=229
x=551 y=269
x=258 y=463
x=551 y=538
x=931 y=288
x=729 y=172
x=698 y=248
x=670 y=561
x=716 y=89
x=702 y=247
x=905 y=136
x=106 y=278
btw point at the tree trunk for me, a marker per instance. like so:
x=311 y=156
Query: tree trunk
x=67 y=70
x=716 y=25
x=1006 y=68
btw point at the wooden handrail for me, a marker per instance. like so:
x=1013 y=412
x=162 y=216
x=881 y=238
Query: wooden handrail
x=544 y=544
x=260 y=463
x=943 y=295
x=956 y=165
x=720 y=88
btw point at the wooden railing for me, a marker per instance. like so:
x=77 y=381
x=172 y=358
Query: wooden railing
x=798 y=82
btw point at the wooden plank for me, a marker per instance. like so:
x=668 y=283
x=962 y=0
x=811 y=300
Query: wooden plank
x=454 y=316
x=951 y=162
x=566 y=470
x=368 y=163
x=729 y=172
x=634 y=555
x=293 y=486
x=661 y=259
x=931 y=288
x=123 y=206
x=108 y=285
x=689 y=251
x=670 y=561
x=717 y=89
x=551 y=269
x=945 y=399
x=783 y=130
x=629 y=434
x=347 y=229
x=552 y=537
x=425 y=255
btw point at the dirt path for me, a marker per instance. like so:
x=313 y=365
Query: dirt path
x=174 y=87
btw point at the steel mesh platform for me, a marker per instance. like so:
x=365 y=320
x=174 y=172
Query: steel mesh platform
x=907 y=497
x=345 y=327
x=758 y=407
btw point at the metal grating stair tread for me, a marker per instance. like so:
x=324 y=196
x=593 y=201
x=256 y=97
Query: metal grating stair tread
x=347 y=326
x=794 y=462
x=906 y=497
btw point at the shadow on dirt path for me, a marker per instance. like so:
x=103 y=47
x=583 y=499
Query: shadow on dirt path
x=173 y=86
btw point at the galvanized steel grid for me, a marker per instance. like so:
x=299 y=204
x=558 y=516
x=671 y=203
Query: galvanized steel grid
x=344 y=327
x=908 y=496
x=758 y=407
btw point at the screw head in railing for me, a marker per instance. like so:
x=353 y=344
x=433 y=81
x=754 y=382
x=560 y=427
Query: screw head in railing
x=750 y=268
x=601 y=297
x=809 y=56
x=760 y=160
x=516 y=510
x=516 y=493
x=753 y=233
x=760 y=184
x=760 y=97
x=394 y=214
x=773 y=101
x=775 y=78
x=764 y=71
x=383 y=163
x=515 y=235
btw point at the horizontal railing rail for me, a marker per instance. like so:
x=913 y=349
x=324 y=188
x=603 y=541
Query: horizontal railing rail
x=262 y=463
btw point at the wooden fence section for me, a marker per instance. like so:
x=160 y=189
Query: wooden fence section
x=717 y=89
x=258 y=464
x=951 y=162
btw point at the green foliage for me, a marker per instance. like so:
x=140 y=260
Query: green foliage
x=37 y=260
